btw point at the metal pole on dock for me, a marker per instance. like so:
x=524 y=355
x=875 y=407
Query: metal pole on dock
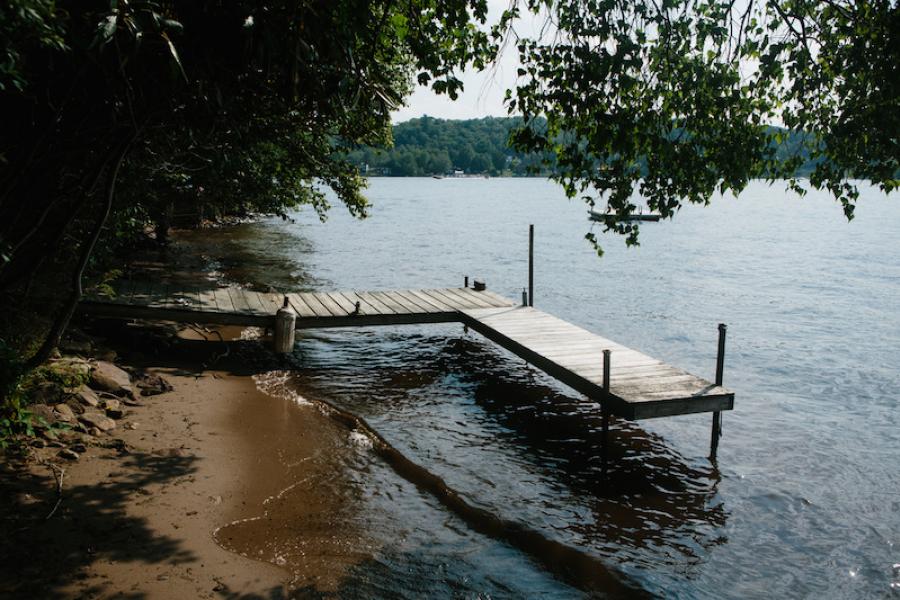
x=531 y=265
x=717 y=416
x=605 y=407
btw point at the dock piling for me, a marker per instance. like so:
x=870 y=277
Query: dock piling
x=466 y=281
x=524 y=297
x=285 y=323
x=607 y=355
x=531 y=265
x=717 y=415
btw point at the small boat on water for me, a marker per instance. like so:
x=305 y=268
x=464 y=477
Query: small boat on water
x=638 y=216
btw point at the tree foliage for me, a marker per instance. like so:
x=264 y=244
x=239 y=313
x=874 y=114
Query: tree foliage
x=238 y=106
x=675 y=99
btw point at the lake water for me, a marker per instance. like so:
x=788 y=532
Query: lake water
x=805 y=500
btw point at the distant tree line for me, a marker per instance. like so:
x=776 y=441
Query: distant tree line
x=430 y=146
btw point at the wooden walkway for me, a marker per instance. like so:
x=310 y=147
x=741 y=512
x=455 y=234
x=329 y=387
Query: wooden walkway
x=640 y=387
x=236 y=306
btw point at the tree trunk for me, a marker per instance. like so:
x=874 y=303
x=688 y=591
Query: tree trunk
x=62 y=320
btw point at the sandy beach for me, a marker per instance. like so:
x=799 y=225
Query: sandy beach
x=147 y=508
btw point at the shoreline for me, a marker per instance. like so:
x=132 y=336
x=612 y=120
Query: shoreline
x=138 y=510
x=187 y=503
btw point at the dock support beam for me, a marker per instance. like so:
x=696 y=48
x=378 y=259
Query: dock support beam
x=605 y=407
x=717 y=416
x=531 y=265
x=285 y=322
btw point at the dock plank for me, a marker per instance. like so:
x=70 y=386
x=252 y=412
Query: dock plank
x=237 y=300
x=270 y=302
x=478 y=298
x=315 y=305
x=252 y=299
x=440 y=306
x=381 y=307
x=207 y=300
x=328 y=302
x=300 y=306
x=449 y=299
x=223 y=300
x=364 y=307
x=183 y=299
x=338 y=298
x=401 y=300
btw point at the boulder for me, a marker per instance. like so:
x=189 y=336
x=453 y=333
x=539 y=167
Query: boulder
x=68 y=454
x=75 y=365
x=87 y=397
x=111 y=404
x=94 y=419
x=152 y=384
x=113 y=408
x=64 y=412
x=108 y=377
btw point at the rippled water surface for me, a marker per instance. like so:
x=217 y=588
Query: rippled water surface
x=806 y=497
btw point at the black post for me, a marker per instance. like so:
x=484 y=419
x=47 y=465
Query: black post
x=531 y=265
x=717 y=416
x=605 y=407
x=466 y=281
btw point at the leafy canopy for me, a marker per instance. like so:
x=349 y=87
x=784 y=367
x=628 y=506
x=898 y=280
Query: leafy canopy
x=675 y=99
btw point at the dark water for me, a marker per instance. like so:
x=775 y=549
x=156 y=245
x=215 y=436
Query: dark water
x=805 y=501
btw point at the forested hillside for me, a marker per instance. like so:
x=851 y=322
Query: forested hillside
x=429 y=146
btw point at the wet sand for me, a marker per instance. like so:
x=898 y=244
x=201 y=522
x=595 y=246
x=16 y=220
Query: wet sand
x=141 y=521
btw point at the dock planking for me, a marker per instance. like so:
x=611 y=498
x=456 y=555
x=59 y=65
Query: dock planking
x=640 y=387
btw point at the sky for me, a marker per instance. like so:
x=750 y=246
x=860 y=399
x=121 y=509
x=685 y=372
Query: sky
x=482 y=92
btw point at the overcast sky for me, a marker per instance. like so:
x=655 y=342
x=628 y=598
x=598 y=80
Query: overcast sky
x=483 y=92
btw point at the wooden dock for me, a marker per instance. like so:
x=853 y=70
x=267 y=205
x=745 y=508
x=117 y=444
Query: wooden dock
x=629 y=384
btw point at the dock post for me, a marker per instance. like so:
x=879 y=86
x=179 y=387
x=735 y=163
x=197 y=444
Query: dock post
x=607 y=354
x=524 y=297
x=285 y=322
x=466 y=281
x=531 y=265
x=717 y=416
